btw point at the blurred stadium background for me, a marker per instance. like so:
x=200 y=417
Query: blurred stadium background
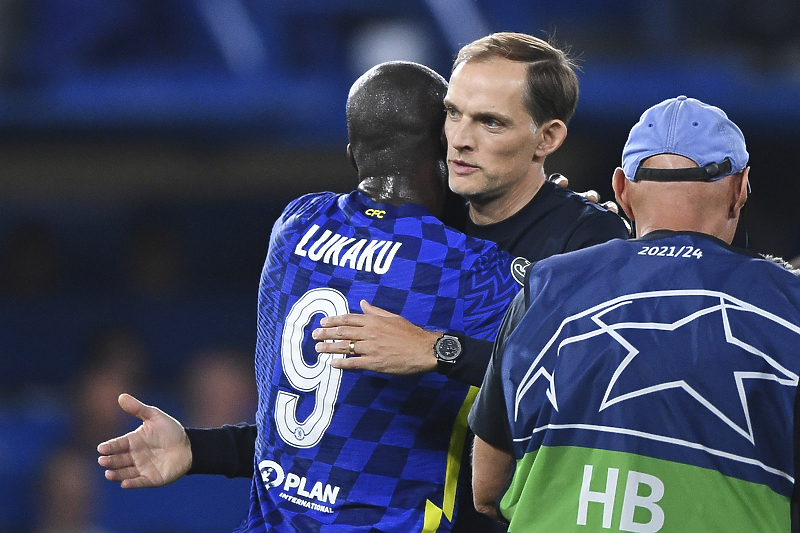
x=146 y=147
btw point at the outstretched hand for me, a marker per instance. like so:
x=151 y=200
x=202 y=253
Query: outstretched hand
x=384 y=342
x=155 y=454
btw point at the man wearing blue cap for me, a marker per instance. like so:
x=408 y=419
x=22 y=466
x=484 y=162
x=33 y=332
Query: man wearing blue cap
x=660 y=395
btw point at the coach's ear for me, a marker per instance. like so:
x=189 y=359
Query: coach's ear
x=351 y=158
x=621 y=184
x=551 y=136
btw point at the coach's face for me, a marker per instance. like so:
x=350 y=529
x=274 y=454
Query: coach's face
x=491 y=139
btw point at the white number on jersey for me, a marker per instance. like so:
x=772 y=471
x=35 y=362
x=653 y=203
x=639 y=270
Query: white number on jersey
x=319 y=377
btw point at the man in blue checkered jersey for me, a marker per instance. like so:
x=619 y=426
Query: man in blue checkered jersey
x=361 y=451
x=342 y=451
x=663 y=395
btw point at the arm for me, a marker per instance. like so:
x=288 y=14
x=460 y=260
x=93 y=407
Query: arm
x=388 y=343
x=493 y=462
x=384 y=341
x=471 y=366
x=491 y=468
x=226 y=451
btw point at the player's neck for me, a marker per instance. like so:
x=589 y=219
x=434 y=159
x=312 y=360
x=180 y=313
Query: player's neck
x=398 y=190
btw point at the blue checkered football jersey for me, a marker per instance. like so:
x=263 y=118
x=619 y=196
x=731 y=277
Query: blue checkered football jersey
x=360 y=451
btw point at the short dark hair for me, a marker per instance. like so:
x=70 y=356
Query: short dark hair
x=552 y=89
x=395 y=116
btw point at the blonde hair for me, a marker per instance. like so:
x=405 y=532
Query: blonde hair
x=552 y=85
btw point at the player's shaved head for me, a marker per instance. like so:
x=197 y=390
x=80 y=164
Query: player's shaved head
x=395 y=117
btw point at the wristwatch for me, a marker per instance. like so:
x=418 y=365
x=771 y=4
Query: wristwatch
x=447 y=349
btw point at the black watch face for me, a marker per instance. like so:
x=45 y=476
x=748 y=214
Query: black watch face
x=448 y=348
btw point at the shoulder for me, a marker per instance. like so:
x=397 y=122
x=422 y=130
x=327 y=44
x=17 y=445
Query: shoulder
x=301 y=210
x=573 y=210
x=574 y=268
x=573 y=203
x=779 y=271
x=482 y=252
x=784 y=264
x=588 y=254
x=311 y=203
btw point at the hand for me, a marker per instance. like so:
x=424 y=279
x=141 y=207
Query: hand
x=591 y=195
x=157 y=453
x=385 y=342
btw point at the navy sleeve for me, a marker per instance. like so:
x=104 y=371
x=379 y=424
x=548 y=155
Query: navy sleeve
x=488 y=418
x=228 y=450
x=471 y=366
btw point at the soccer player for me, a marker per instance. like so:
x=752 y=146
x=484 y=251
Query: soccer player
x=359 y=451
x=509 y=101
x=662 y=395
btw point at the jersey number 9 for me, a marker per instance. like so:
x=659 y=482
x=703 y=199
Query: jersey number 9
x=319 y=378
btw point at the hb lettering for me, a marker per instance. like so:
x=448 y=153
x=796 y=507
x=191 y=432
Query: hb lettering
x=633 y=498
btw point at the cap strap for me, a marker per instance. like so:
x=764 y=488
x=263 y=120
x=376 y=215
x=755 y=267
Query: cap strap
x=707 y=173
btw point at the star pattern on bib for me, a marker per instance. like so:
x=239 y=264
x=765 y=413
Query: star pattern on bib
x=644 y=370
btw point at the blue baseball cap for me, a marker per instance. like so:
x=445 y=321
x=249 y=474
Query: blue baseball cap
x=689 y=128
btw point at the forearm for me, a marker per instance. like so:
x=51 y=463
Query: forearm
x=491 y=468
x=471 y=366
x=227 y=450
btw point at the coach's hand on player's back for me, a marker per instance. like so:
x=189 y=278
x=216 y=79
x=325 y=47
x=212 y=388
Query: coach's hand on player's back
x=383 y=341
x=155 y=454
x=591 y=195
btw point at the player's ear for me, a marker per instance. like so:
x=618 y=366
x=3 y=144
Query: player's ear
x=351 y=157
x=740 y=193
x=553 y=132
x=620 y=185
